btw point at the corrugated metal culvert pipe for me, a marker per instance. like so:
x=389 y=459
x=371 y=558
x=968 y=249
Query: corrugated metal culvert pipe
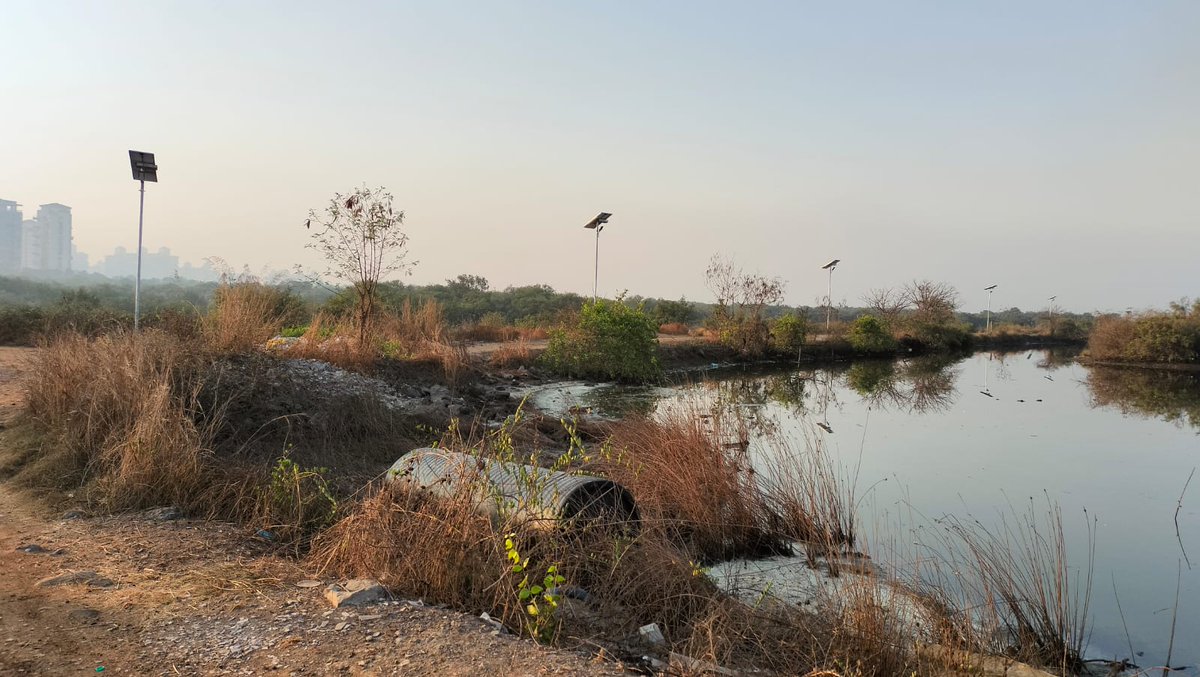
x=539 y=495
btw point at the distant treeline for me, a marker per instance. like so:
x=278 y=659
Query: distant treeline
x=92 y=302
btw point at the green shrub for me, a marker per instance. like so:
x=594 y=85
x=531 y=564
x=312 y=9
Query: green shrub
x=944 y=336
x=298 y=501
x=1159 y=338
x=788 y=332
x=1149 y=337
x=609 y=340
x=20 y=325
x=668 y=312
x=868 y=335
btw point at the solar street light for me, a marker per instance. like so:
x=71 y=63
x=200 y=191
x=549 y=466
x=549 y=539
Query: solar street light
x=829 y=296
x=597 y=224
x=989 y=290
x=144 y=170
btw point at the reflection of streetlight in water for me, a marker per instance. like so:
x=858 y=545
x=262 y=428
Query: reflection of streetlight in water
x=987 y=367
x=826 y=395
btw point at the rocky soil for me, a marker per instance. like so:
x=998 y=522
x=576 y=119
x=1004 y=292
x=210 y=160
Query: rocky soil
x=140 y=595
x=154 y=594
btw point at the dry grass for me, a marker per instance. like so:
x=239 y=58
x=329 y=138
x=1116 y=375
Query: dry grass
x=133 y=421
x=412 y=328
x=334 y=340
x=694 y=471
x=534 y=333
x=486 y=332
x=421 y=334
x=121 y=420
x=1009 y=330
x=418 y=334
x=448 y=550
x=684 y=478
x=244 y=316
x=512 y=355
x=674 y=329
x=439 y=550
x=1110 y=337
x=1026 y=599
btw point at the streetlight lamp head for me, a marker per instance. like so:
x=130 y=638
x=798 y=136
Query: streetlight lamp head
x=599 y=221
x=990 y=288
x=143 y=166
x=831 y=265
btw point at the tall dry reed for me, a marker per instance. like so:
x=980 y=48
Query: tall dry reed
x=244 y=315
x=121 y=419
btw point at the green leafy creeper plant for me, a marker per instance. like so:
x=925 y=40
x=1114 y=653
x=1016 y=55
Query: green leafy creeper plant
x=538 y=601
x=298 y=499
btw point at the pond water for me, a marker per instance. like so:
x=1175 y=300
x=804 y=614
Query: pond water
x=985 y=436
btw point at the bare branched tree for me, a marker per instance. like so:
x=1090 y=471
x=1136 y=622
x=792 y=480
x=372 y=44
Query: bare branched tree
x=889 y=304
x=360 y=236
x=741 y=299
x=933 y=303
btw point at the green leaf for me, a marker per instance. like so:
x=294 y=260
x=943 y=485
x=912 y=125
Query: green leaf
x=535 y=590
x=525 y=594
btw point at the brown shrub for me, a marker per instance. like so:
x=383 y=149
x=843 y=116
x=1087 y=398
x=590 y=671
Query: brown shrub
x=674 y=329
x=693 y=473
x=439 y=550
x=512 y=355
x=335 y=340
x=244 y=315
x=486 y=332
x=447 y=550
x=120 y=419
x=534 y=333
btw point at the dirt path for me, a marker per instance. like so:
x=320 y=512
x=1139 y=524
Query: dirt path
x=12 y=362
x=181 y=597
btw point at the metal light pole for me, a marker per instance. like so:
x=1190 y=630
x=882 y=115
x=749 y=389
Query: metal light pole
x=829 y=295
x=597 y=224
x=989 y=290
x=144 y=170
x=1052 y=314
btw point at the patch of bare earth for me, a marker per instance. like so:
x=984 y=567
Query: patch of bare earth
x=12 y=362
x=180 y=597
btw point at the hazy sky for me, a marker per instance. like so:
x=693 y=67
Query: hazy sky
x=1048 y=147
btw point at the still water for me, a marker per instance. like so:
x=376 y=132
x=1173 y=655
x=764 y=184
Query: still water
x=983 y=436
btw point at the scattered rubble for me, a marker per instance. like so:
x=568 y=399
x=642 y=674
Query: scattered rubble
x=164 y=514
x=90 y=578
x=356 y=592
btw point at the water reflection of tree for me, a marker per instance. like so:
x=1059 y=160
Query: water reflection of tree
x=788 y=390
x=1054 y=359
x=922 y=385
x=1171 y=396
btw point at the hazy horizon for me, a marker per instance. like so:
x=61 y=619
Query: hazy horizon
x=1049 y=149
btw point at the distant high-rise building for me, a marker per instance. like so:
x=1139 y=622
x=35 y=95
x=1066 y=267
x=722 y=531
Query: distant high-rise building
x=79 y=260
x=10 y=237
x=31 y=245
x=46 y=240
x=123 y=263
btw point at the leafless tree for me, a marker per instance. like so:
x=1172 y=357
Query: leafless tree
x=888 y=304
x=360 y=236
x=933 y=303
x=741 y=299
